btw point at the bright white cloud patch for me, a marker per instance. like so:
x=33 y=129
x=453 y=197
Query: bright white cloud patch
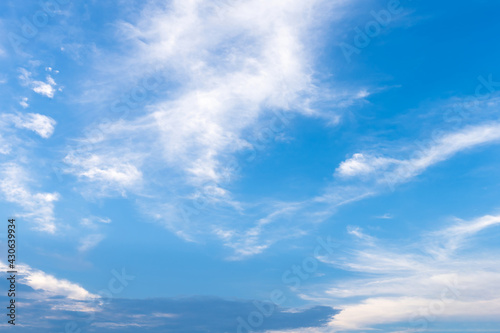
x=40 y=124
x=49 y=285
x=46 y=88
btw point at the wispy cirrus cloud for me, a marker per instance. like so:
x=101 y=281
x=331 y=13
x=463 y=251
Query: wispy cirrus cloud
x=446 y=274
x=93 y=222
x=37 y=207
x=90 y=241
x=369 y=174
x=361 y=177
x=182 y=143
x=394 y=171
x=17 y=183
x=112 y=174
x=93 y=239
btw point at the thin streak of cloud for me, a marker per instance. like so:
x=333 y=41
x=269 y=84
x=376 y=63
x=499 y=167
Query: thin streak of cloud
x=396 y=283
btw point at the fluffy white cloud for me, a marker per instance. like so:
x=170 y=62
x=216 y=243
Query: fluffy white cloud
x=24 y=102
x=43 y=88
x=38 y=123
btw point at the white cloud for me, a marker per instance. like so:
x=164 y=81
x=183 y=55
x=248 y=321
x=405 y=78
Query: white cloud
x=16 y=183
x=413 y=284
x=24 y=102
x=394 y=171
x=373 y=171
x=111 y=173
x=43 y=88
x=37 y=207
x=264 y=66
x=235 y=65
x=230 y=66
x=42 y=125
x=90 y=222
x=360 y=164
x=237 y=62
x=89 y=242
x=455 y=236
x=250 y=241
x=49 y=285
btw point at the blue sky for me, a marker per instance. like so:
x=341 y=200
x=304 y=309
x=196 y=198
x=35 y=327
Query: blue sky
x=179 y=166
